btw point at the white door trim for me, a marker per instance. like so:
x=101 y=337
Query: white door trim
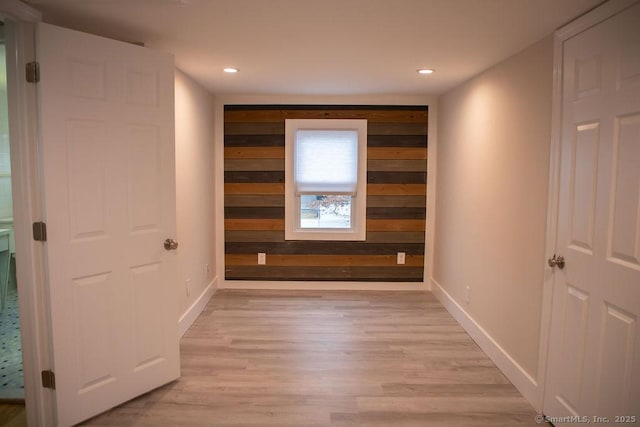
x=575 y=27
x=20 y=18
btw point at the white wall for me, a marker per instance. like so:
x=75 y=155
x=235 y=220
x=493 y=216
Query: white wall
x=491 y=202
x=194 y=193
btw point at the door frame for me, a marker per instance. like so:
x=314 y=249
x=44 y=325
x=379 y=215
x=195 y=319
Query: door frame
x=20 y=21
x=579 y=25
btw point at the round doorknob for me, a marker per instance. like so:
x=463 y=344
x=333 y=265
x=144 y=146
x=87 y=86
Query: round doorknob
x=170 y=245
x=556 y=261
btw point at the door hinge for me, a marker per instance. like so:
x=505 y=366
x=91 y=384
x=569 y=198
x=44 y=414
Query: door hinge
x=39 y=231
x=33 y=72
x=49 y=379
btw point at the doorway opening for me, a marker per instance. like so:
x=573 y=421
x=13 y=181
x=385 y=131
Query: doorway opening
x=11 y=368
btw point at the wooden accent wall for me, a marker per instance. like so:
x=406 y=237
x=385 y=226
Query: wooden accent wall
x=254 y=197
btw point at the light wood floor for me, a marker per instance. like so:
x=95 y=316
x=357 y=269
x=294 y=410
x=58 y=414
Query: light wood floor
x=12 y=415
x=283 y=358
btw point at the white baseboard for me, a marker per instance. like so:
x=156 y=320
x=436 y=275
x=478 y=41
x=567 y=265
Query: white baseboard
x=192 y=313
x=324 y=286
x=524 y=382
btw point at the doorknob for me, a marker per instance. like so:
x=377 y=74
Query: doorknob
x=170 y=245
x=556 y=261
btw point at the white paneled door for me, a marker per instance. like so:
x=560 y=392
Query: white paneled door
x=107 y=122
x=594 y=356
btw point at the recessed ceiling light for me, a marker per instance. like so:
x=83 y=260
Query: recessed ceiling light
x=425 y=71
x=230 y=70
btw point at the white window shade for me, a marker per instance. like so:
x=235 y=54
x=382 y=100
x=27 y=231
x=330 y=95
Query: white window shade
x=326 y=161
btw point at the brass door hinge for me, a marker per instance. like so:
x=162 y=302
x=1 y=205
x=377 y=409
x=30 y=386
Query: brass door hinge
x=33 y=72
x=40 y=231
x=49 y=379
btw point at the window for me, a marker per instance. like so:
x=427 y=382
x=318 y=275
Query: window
x=325 y=190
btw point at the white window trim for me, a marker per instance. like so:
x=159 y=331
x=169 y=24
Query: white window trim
x=358 y=232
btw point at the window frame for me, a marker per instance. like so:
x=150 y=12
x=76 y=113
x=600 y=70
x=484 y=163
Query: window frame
x=293 y=231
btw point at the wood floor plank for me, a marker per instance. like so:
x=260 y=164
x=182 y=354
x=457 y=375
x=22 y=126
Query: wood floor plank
x=312 y=358
x=13 y=415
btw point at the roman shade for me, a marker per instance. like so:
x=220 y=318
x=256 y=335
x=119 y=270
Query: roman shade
x=326 y=161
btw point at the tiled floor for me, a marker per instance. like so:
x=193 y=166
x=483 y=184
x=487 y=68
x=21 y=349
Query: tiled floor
x=11 y=379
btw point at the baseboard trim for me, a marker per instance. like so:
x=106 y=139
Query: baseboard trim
x=192 y=313
x=324 y=286
x=524 y=382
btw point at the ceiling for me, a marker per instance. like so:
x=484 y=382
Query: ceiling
x=328 y=47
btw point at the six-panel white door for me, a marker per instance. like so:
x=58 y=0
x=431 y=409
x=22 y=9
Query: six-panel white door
x=107 y=122
x=594 y=353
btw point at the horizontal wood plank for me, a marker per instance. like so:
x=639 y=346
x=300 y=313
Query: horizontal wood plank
x=269 y=116
x=321 y=247
x=254 y=212
x=395 y=237
x=254 y=236
x=397 y=128
x=255 y=176
x=254 y=152
x=257 y=140
x=250 y=200
x=396 y=177
x=251 y=188
x=323 y=107
x=396 y=189
x=396 y=201
x=382 y=274
x=395 y=213
x=397 y=141
x=372 y=236
x=254 y=128
x=385 y=153
x=254 y=224
x=396 y=165
x=254 y=164
x=326 y=260
x=374 y=153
